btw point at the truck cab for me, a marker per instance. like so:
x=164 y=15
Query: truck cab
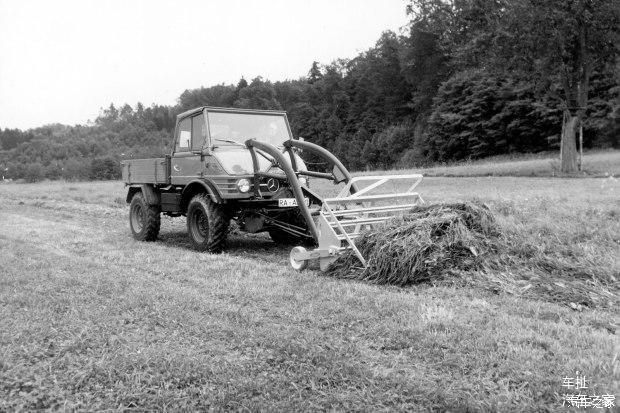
x=209 y=145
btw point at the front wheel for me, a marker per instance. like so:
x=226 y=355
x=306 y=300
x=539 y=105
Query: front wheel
x=297 y=262
x=207 y=224
x=144 y=219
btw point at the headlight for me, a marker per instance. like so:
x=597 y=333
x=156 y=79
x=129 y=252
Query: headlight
x=244 y=185
x=303 y=181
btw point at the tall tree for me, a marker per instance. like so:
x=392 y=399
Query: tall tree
x=315 y=73
x=559 y=43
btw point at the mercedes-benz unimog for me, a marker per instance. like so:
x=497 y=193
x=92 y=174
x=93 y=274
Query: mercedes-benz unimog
x=245 y=165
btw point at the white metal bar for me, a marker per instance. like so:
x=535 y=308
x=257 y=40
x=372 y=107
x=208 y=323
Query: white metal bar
x=382 y=179
x=349 y=222
x=369 y=198
x=391 y=208
x=369 y=188
x=347 y=237
x=415 y=184
x=388 y=177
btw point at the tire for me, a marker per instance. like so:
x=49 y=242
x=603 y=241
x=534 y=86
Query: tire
x=144 y=219
x=207 y=224
x=298 y=265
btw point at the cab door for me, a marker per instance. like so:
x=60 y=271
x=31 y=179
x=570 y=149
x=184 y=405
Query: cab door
x=186 y=162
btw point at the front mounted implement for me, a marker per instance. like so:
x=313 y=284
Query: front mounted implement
x=335 y=223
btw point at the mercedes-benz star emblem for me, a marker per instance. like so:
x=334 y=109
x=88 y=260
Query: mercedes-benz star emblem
x=273 y=185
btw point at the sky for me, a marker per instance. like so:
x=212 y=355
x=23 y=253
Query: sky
x=61 y=61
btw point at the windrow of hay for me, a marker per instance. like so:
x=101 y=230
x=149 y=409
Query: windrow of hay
x=425 y=244
x=463 y=243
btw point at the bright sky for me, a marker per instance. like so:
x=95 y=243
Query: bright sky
x=62 y=60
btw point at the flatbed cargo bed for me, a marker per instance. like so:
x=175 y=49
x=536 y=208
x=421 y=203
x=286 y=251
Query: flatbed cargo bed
x=146 y=171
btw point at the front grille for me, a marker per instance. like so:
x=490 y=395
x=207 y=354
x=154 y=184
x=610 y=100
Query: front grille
x=228 y=186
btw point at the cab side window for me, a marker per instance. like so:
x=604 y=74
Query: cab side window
x=199 y=132
x=185 y=134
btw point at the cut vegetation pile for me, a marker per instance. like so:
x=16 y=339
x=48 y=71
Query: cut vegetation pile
x=423 y=245
x=464 y=243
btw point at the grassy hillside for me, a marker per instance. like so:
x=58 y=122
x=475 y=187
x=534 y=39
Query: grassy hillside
x=595 y=163
x=91 y=319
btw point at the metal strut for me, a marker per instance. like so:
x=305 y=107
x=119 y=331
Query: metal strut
x=345 y=175
x=291 y=177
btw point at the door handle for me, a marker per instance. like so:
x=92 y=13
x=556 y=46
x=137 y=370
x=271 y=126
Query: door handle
x=176 y=168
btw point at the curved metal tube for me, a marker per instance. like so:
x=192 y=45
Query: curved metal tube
x=255 y=180
x=325 y=154
x=291 y=176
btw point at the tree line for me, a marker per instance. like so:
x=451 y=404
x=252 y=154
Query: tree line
x=465 y=79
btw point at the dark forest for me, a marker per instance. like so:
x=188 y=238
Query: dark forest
x=463 y=80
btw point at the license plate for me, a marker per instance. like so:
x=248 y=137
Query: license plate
x=290 y=202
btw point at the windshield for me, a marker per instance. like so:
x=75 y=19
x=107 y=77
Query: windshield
x=228 y=128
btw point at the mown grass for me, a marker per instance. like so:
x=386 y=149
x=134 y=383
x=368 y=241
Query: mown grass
x=595 y=163
x=91 y=319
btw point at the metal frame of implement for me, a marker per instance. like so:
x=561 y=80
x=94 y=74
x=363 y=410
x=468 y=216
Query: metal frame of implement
x=342 y=219
x=338 y=221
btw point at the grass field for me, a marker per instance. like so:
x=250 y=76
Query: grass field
x=91 y=319
x=595 y=163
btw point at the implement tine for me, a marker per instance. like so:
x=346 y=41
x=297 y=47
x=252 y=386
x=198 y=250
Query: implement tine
x=346 y=235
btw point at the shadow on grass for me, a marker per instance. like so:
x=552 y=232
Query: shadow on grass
x=254 y=246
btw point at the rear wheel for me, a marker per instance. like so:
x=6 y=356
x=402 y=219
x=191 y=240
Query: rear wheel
x=144 y=219
x=207 y=224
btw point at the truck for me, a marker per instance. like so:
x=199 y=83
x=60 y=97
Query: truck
x=210 y=178
x=244 y=165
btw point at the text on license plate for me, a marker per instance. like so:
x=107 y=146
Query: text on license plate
x=290 y=202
